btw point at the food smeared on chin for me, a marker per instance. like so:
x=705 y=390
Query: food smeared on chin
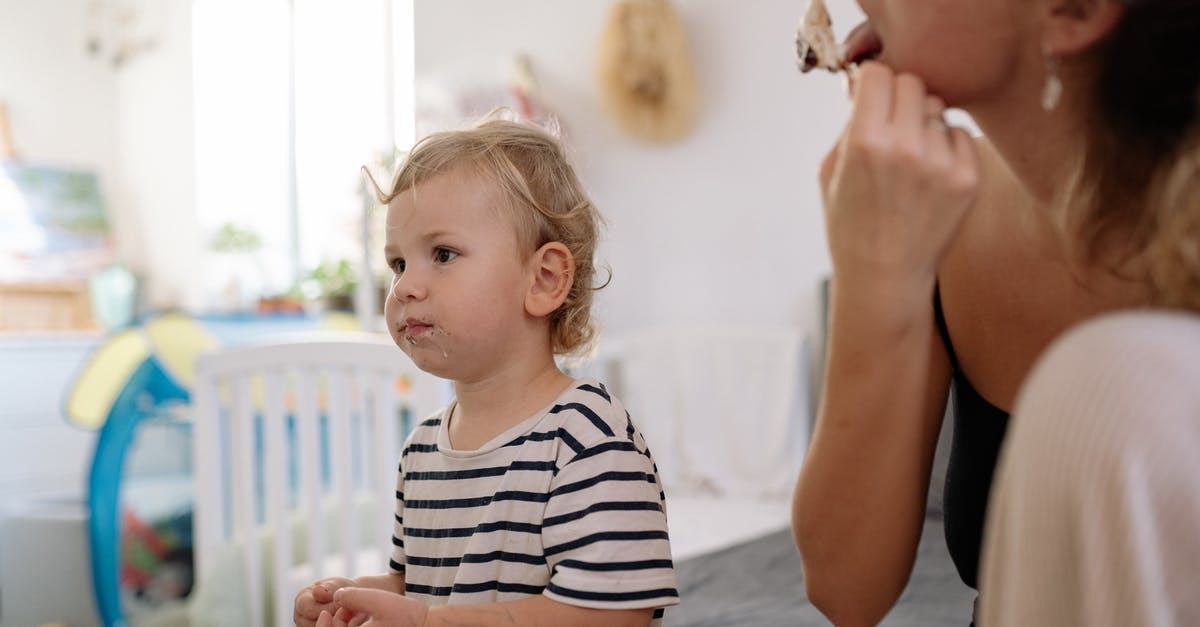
x=816 y=47
x=815 y=44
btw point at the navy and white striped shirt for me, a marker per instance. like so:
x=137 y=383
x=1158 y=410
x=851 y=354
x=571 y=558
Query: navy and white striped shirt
x=567 y=504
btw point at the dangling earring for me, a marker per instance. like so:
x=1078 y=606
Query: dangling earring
x=1053 y=87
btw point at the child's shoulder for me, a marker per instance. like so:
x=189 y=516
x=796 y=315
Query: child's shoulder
x=591 y=414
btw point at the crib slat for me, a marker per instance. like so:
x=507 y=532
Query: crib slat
x=340 y=460
x=209 y=526
x=362 y=448
x=309 y=462
x=387 y=459
x=244 y=507
x=365 y=451
x=276 y=479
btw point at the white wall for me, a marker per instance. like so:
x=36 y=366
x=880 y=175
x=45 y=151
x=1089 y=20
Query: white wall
x=132 y=125
x=154 y=191
x=724 y=227
x=62 y=103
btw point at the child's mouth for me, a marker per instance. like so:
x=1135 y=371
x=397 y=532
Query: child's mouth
x=416 y=332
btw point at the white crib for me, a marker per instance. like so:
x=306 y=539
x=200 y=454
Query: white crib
x=296 y=449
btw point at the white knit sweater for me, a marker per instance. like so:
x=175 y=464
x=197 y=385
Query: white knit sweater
x=1094 y=516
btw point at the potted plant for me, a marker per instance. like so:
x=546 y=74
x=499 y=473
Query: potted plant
x=332 y=283
x=237 y=267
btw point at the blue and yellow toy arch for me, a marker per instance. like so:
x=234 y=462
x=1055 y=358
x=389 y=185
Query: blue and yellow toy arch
x=135 y=374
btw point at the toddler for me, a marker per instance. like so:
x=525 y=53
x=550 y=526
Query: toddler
x=531 y=499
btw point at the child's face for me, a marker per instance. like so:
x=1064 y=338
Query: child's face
x=456 y=305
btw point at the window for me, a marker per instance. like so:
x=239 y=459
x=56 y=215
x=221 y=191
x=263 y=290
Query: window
x=291 y=98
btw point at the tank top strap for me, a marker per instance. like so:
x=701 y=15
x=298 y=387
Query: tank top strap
x=943 y=330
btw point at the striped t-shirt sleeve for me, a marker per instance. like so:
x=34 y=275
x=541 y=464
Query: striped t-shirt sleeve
x=396 y=563
x=605 y=531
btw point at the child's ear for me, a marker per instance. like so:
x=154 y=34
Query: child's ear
x=553 y=273
x=1073 y=26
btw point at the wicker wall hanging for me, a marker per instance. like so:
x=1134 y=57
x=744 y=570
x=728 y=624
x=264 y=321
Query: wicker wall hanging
x=645 y=70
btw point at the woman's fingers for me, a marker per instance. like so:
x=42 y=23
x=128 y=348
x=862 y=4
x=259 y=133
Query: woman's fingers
x=899 y=180
x=966 y=175
x=873 y=100
x=934 y=106
x=909 y=114
x=829 y=163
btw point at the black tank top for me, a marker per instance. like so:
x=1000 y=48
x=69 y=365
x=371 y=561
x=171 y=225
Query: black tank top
x=979 y=428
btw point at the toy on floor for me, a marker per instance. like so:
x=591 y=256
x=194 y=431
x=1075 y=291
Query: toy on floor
x=138 y=373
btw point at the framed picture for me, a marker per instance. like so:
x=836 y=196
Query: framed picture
x=53 y=223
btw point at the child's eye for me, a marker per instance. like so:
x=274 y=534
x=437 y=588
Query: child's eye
x=443 y=255
x=397 y=265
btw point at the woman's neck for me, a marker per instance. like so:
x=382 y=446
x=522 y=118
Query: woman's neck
x=1036 y=156
x=1037 y=153
x=1040 y=148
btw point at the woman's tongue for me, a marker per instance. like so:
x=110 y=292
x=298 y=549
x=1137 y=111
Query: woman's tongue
x=862 y=44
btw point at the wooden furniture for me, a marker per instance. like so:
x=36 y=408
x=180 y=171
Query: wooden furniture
x=316 y=423
x=7 y=151
x=45 y=307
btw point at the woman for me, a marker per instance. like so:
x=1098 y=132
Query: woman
x=956 y=263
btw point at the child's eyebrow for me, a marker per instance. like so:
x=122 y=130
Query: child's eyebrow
x=392 y=250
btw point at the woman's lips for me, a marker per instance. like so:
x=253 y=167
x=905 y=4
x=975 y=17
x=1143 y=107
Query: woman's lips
x=862 y=44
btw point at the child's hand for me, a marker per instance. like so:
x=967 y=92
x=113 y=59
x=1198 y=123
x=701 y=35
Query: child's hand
x=367 y=606
x=315 y=598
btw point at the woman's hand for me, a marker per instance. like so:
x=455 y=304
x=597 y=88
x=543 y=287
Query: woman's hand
x=315 y=598
x=896 y=186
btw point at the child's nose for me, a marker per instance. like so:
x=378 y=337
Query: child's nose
x=408 y=286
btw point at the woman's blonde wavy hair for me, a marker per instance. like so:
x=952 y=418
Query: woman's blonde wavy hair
x=1140 y=174
x=547 y=202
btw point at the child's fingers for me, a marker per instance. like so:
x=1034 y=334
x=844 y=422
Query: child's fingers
x=321 y=594
x=325 y=619
x=308 y=606
x=322 y=591
x=365 y=600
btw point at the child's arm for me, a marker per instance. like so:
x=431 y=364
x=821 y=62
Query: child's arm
x=534 y=611
x=319 y=596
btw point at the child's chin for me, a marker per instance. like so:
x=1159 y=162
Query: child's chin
x=429 y=361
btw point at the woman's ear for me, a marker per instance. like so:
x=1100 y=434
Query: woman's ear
x=1073 y=26
x=553 y=268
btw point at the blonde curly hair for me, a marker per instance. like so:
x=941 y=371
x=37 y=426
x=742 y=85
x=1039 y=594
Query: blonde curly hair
x=1139 y=178
x=546 y=201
